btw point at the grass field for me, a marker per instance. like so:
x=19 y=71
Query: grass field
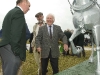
x=29 y=67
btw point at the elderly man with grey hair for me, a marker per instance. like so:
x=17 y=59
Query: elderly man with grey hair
x=47 y=44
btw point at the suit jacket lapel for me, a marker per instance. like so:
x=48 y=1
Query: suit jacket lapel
x=54 y=30
x=46 y=31
x=19 y=9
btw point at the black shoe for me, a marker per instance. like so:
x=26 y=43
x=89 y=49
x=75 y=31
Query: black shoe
x=83 y=55
x=64 y=55
x=30 y=52
x=46 y=71
x=79 y=55
x=67 y=54
x=72 y=54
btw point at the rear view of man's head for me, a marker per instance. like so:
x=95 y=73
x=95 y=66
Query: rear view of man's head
x=24 y=4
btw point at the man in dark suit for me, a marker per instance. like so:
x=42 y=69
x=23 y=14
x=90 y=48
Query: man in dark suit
x=47 y=44
x=30 y=40
x=68 y=34
x=13 y=41
x=28 y=34
x=0 y=33
x=80 y=42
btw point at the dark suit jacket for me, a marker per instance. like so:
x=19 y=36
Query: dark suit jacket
x=31 y=38
x=43 y=40
x=80 y=40
x=14 y=32
x=28 y=34
x=68 y=34
x=0 y=33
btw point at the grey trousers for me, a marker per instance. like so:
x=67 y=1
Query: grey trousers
x=10 y=62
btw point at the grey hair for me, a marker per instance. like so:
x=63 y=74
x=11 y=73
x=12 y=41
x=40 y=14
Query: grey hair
x=51 y=15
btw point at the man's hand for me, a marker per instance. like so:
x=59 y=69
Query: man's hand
x=39 y=49
x=65 y=47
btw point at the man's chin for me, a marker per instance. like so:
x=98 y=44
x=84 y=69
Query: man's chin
x=40 y=21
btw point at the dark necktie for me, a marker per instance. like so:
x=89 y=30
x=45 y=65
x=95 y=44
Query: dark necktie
x=50 y=32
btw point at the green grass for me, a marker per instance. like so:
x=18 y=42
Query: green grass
x=29 y=67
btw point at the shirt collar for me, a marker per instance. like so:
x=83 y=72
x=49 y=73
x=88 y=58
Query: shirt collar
x=50 y=25
x=19 y=7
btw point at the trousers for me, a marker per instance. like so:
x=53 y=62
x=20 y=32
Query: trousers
x=10 y=62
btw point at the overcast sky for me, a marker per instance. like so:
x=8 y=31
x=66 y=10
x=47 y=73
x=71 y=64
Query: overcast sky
x=60 y=9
